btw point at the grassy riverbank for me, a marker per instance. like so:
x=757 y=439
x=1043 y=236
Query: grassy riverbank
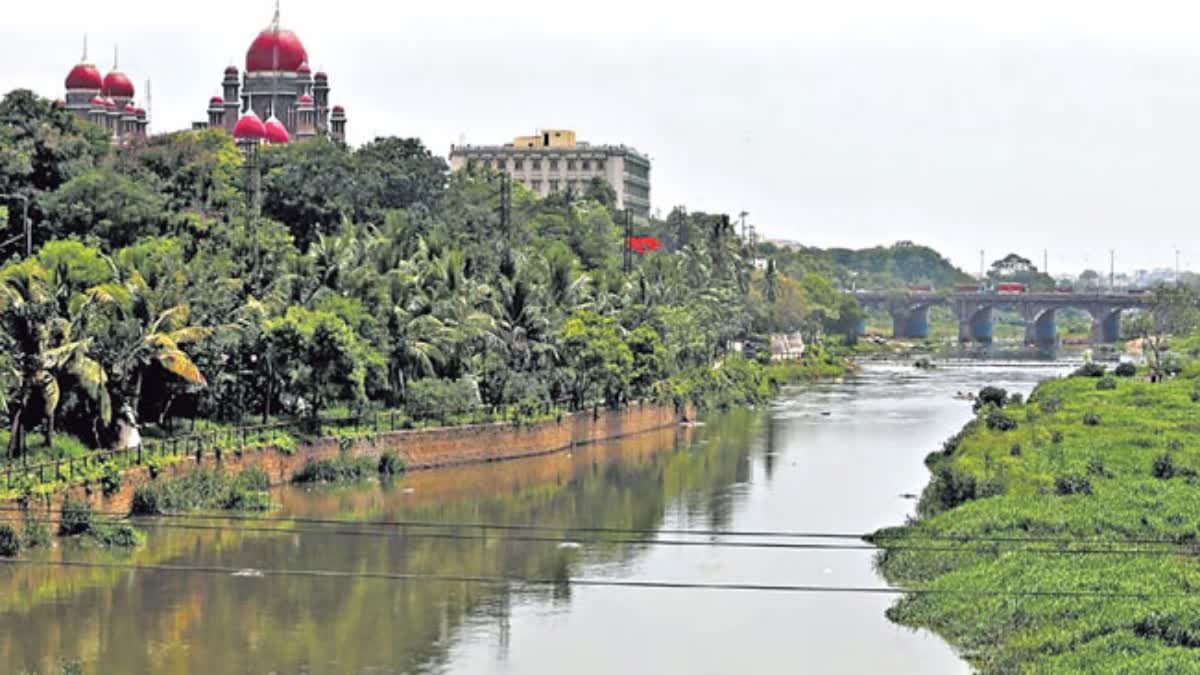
x=1105 y=464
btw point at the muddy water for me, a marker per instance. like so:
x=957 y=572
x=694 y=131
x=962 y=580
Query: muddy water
x=834 y=457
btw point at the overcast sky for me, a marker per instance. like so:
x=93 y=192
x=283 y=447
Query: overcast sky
x=1023 y=125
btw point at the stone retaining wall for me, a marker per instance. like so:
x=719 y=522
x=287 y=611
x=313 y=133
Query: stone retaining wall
x=421 y=449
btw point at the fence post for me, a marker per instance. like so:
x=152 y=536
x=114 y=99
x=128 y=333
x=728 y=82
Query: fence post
x=139 y=454
x=392 y=415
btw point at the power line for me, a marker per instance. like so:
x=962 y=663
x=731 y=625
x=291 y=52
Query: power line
x=362 y=532
x=585 y=582
x=743 y=534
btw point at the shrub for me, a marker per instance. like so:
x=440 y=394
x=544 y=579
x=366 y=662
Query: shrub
x=1125 y=369
x=76 y=517
x=121 y=535
x=391 y=464
x=1163 y=467
x=34 y=532
x=998 y=421
x=1106 y=383
x=991 y=395
x=110 y=480
x=146 y=501
x=1072 y=484
x=1016 y=398
x=1090 y=370
x=1015 y=450
x=10 y=543
x=949 y=488
x=334 y=470
x=1091 y=420
x=1056 y=437
x=434 y=397
x=1096 y=467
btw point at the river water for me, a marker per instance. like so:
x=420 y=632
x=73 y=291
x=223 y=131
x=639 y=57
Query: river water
x=829 y=457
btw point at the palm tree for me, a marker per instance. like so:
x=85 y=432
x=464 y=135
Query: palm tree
x=42 y=347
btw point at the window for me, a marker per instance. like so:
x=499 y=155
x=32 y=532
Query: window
x=587 y=166
x=554 y=165
x=570 y=165
x=519 y=164
x=500 y=164
x=537 y=165
x=554 y=186
x=599 y=165
x=536 y=185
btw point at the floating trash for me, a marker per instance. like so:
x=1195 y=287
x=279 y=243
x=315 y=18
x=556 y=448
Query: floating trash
x=249 y=572
x=570 y=546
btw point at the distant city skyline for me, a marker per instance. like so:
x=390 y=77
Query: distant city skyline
x=1023 y=127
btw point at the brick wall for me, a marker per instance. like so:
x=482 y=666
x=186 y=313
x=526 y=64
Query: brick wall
x=421 y=449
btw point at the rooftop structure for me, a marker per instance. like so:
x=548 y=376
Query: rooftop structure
x=554 y=160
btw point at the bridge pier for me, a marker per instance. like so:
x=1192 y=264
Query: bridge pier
x=1106 y=325
x=975 y=325
x=910 y=322
x=1041 y=328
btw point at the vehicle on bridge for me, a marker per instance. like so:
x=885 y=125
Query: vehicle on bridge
x=1010 y=287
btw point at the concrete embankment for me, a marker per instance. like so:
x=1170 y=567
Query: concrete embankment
x=420 y=449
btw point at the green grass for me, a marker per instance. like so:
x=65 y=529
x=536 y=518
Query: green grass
x=1028 y=473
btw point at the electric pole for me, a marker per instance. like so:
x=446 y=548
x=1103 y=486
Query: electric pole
x=1112 y=270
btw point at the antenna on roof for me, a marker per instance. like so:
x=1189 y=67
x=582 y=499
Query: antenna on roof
x=116 y=56
x=149 y=105
x=84 y=59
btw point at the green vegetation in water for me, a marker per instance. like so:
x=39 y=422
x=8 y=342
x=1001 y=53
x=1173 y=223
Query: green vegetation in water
x=205 y=489
x=340 y=469
x=77 y=520
x=1093 y=465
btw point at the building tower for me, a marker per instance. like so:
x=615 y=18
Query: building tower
x=83 y=84
x=231 y=101
x=337 y=123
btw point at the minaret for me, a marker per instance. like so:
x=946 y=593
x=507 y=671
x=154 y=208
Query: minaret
x=231 y=102
x=83 y=84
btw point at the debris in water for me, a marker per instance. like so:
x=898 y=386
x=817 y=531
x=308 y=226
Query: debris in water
x=570 y=545
x=249 y=572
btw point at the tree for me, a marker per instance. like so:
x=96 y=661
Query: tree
x=1173 y=311
x=104 y=204
x=597 y=362
x=309 y=187
x=315 y=359
x=397 y=173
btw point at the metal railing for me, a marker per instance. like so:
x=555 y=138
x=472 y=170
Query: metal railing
x=238 y=439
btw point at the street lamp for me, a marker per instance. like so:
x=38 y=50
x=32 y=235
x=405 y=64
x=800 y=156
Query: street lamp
x=25 y=218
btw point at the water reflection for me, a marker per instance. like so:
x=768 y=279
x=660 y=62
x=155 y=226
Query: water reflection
x=835 y=456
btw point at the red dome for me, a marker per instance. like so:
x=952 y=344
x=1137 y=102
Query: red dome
x=338 y=110
x=130 y=110
x=276 y=133
x=249 y=128
x=109 y=103
x=231 y=70
x=321 y=76
x=305 y=99
x=216 y=102
x=85 y=76
x=97 y=102
x=304 y=69
x=276 y=49
x=118 y=85
x=141 y=112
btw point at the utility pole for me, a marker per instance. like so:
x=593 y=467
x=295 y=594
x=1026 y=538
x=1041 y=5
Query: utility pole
x=1046 y=262
x=24 y=221
x=1112 y=270
x=743 y=215
x=629 y=243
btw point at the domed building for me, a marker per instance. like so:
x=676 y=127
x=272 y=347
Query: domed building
x=105 y=101
x=279 y=86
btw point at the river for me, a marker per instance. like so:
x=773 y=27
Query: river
x=828 y=457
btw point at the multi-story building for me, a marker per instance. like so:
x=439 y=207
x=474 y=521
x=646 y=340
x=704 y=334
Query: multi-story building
x=278 y=86
x=104 y=101
x=554 y=161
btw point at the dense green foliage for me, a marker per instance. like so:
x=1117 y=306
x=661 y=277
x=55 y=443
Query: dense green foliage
x=338 y=469
x=893 y=267
x=162 y=291
x=1129 y=477
x=204 y=490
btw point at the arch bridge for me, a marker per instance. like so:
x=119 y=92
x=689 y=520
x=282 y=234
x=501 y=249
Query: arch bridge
x=974 y=310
